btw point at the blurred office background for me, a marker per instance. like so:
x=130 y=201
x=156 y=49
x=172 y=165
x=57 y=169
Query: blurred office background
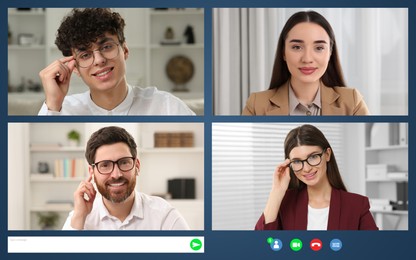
x=42 y=177
x=155 y=38
x=372 y=44
x=372 y=158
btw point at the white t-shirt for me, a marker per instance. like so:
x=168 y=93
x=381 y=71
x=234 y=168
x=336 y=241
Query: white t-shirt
x=317 y=218
x=139 y=101
x=147 y=213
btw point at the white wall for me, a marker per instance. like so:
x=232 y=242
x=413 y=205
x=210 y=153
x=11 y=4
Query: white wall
x=16 y=172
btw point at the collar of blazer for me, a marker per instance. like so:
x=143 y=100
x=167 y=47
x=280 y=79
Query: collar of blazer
x=280 y=100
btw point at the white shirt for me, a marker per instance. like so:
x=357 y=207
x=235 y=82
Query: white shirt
x=317 y=218
x=139 y=101
x=147 y=213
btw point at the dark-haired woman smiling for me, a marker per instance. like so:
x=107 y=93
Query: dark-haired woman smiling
x=307 y=76
x=308 y=192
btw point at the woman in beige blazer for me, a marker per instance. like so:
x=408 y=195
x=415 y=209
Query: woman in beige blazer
x=307 y=76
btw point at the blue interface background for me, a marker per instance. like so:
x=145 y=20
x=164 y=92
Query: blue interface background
x=224 y=244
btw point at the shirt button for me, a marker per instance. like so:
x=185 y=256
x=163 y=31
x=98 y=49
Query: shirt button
x=308 y=113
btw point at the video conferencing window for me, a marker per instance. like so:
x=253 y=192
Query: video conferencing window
x=192 y=130
x=157 y=51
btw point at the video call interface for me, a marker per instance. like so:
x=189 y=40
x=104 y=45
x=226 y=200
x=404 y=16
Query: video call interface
x=195 y=154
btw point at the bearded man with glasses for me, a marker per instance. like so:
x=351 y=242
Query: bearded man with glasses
x=94 y=47
x=113 y=168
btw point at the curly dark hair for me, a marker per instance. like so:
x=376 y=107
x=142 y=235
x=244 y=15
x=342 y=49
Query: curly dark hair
x=82 y=27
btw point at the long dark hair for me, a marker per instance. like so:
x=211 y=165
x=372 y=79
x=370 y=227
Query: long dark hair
x=333 y=74
x=312 y=136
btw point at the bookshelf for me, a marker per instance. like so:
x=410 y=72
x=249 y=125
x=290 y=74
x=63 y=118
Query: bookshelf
x=386 y=179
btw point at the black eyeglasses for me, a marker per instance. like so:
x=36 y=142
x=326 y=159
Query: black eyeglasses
x=108 y=50
x=124 y=164
x=313 y=160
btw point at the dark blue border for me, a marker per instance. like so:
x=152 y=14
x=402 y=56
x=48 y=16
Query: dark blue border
x=226 y=244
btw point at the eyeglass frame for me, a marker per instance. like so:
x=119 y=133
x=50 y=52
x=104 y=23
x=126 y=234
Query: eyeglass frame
x=97 y=49
x=306 y=160
x=114 y=163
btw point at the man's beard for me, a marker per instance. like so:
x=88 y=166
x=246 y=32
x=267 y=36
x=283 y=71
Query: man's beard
x=118 y=197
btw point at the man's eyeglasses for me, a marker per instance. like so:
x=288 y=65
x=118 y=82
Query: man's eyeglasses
x=313 y=160
x=124 y=164
x=108 y=50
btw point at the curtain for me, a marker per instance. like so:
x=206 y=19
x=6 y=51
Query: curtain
x=372 y=44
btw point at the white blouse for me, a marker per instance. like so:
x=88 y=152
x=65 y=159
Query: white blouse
x=318 y=218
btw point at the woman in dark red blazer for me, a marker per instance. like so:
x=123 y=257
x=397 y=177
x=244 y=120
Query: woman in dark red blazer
x=308 y=192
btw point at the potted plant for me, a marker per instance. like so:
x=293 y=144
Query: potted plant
x=74 y=138
x=48 y=220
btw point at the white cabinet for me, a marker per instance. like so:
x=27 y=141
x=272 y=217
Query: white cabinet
x=386 y=173
x=145 y=66
x=39 y=143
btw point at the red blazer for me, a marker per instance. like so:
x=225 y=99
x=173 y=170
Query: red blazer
x=347 y=211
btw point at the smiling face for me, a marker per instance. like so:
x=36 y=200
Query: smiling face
x=307 y=52
x=104 y=74
x=118 y=185
x=311 y=175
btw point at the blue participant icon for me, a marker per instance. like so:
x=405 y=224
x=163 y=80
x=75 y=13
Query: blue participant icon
x=335 y=244
x=276 y=244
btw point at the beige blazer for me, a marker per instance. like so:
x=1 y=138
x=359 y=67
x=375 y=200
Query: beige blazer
x=335 y=101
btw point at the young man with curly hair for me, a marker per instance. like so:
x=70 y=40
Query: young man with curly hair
x=93 y=43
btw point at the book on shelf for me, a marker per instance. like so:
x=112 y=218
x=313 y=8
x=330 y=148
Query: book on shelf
x=391 y=134
x=381 y=204
x=381 y=207
x=402 y=196
x=397 y=175
x=398 y=134
x=70 y=168
x=394 y=134
x=379 y=135
x=378 y=171
x=403 y=134
x=380 y=201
